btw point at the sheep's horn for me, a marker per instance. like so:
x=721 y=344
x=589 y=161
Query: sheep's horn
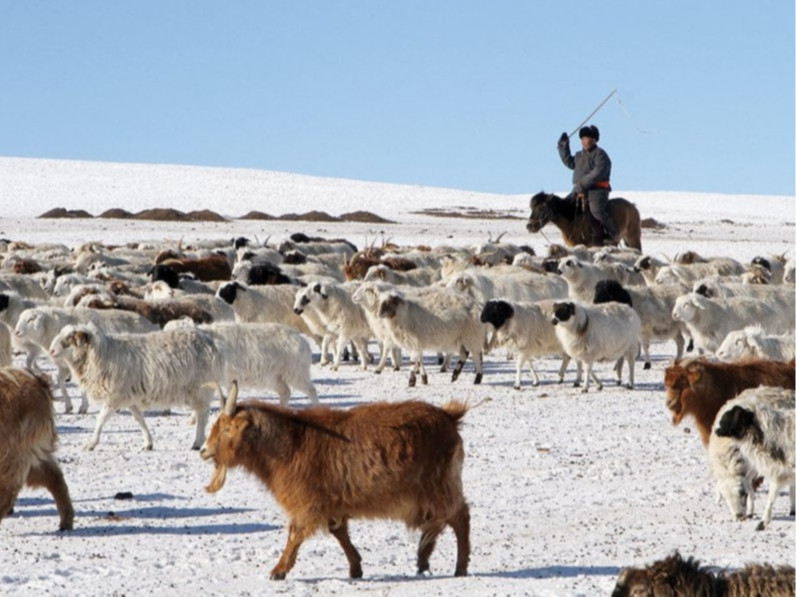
x=501 y=235
x=231 y=404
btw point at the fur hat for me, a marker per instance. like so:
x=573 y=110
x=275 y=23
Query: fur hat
x=590 y=131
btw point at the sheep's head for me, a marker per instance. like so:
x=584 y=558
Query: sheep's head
x=686 y=307
x=562 y=312
x=225 y=438
x=367 y=295
x=737 y=422
x=302 y=300
x=569 y=268
x=497 y=313
x=30 y=324
x=734 y=347
x=229 y=292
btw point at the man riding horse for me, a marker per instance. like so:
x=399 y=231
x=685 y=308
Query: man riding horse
x=591 y=180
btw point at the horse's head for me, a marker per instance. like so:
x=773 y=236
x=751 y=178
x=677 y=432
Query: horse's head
x=541 y=213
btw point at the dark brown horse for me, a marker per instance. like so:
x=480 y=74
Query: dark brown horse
x=576 y=226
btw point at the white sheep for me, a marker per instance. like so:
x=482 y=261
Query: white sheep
x=607 y=332
x=691 y=272
x=710 y=320
x=443 y=320
x=648 y=266
x=341 y=316
x=421 y=276
x=36 y=328
x=524 y=329
x=24 y=285
x=518 y=285
x=778 y=297
x=753 y=342
x=581 y=278
x=654 y=306
x=761 y=422
x=264 y=304
x=142 y=371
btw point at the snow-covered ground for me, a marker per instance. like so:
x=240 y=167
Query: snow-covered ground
x=565 y=489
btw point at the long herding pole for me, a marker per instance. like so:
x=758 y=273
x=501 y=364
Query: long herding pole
x=597 y=109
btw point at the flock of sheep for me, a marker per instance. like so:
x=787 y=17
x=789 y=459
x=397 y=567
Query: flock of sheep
x=143 y=327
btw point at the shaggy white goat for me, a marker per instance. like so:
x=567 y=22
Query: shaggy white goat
x=753 y=342
x=710 y=320
x=142 y=371
x=519 y=285
x=368 y=296
x=36 y=328
x=443 y=320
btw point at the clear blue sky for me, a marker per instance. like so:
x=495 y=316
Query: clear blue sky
x=453 y=93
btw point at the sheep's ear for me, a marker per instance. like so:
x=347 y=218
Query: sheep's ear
x=231 y=403
x=80 y=338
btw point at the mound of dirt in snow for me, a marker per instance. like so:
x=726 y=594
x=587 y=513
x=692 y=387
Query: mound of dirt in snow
x=366 y=217
x=257 y=215
x=116 y=214
x=61 y=212
x=311 y=216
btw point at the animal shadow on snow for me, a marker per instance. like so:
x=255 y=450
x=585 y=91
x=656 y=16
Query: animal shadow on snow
x=553 y=572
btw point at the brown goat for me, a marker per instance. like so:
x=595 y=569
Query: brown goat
x=206 y=269
x=27 y=442
x=700 y=387
x=675 y=577
x=158 y=312
x=398 y=460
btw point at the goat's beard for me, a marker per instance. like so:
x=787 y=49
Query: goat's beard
x=218 y=480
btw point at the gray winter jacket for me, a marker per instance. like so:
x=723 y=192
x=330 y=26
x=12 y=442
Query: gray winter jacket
x=590 y=167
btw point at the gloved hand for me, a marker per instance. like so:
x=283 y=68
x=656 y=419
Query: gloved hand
x=564 y=138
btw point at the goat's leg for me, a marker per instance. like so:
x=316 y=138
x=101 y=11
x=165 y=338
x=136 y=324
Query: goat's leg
x=304 y=384
x=383 y=350
x=338 y=353
x=645 y=346
x=139 y=418
x=631 y=371
x=618 y=369
x=423 y=374
x=325 y=350
x=7 y=500
x=48 y=474
x=428 y=541
x=202 y=414
x=444 y=360
x=364 y=354
x=578 y=374
x=460 y=523
x=679 y=342
x=282 y=390
x=415 y=360
x=395 y=356
x=533 y=372
x=339 y=529
x=102 y=417
x=792 y=492
x=295 y=538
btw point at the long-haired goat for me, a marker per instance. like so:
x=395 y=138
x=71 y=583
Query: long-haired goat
x=700 y=387
x=398 y=460
x=674 y=576
x=27 y=442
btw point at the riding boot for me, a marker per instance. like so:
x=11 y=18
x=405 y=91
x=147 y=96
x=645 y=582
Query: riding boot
x=597 y=233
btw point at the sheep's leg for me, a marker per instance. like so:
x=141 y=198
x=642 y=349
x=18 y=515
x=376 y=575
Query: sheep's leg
x=533 y=372
x=460 y=524
x=518 y=376
x=63 y=374
x=792 y=492
x=102 y=417
x=679 y=342
x=773 y=490
x=383 y=350
x=618 y=368
x=341 y=344
x=423 y=374
x=463 y=354
x=304 y=384
x=578 y=374
x=283 y=390
x=563 y=369
x=30 y=360
x=428 y=541
x=478 y=359
x=364 y=355
x=48 y=474
x=201 y=424
x=444 y=360
x=339 y=529
x=645 y=346
x=631 y=371
x=415 y=368
x=396 y=358
x=325 y=350
x=295 y=538
x=139 y=418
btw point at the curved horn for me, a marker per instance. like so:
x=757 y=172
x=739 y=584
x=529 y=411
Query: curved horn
x=232 y=401
x=501 y=235
x=265 y=242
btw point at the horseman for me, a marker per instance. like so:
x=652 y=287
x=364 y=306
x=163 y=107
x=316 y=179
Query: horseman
x=591 y=180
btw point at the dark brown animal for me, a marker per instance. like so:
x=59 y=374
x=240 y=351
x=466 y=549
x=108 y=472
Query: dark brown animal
x=26 y=266
x=576 y=226
x=27 y=442
x=205 y=269
x=400 y=460
x=158 y=312
x=356 y=267
x=700 y=387
x=675 y=577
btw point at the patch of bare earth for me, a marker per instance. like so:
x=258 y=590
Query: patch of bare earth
x=257 y=215
x=116 y=214
x=61 y=212
x=311 y=216
x=652 y=223
x=470 y=213
x=366 y=217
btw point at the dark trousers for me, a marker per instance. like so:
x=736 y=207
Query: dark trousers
x=598 y=206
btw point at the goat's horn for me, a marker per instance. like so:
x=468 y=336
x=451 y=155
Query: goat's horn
x=501 y=235
x=231 y=404
x=265 y=243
